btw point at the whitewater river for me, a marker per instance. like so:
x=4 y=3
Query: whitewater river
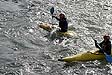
x=26 y=49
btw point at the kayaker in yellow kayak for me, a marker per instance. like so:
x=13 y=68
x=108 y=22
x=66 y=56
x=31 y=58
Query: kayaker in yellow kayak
x=63 y=24
x=105 y=45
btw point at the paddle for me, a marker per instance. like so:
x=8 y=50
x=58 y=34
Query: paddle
x=108 y=57
x=52 y=11
x=56 y=28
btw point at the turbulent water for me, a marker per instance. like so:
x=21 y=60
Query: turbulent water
x=26 y=49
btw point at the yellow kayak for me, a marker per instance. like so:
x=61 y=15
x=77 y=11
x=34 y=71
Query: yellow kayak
x=49 y=27
x=46 y=26
x=84 y=56
x=67 y=34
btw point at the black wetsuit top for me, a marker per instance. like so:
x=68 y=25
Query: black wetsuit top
x=106 y=46
x=63 y=24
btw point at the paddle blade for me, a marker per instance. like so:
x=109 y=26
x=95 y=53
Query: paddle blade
x=108 y=58
x=52 y=10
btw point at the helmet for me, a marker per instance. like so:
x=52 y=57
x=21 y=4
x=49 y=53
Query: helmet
x=62 y=15
x=106 y=37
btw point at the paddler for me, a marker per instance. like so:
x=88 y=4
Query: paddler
x=63 y=24
x=105 y=45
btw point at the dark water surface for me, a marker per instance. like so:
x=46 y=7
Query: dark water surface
x=25 y=49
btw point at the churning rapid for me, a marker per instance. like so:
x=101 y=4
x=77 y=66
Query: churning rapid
x=26 y=49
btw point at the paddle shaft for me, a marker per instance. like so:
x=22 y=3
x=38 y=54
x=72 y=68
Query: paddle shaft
x=52 y=11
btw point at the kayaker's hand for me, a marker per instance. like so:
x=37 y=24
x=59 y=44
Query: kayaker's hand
x=53 y=16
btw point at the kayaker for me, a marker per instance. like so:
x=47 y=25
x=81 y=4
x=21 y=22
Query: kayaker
x=105 y=45
x=63 y=24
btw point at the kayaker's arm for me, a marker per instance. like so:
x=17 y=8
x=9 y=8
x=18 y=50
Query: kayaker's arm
x=56 y=17
x=97 y=45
